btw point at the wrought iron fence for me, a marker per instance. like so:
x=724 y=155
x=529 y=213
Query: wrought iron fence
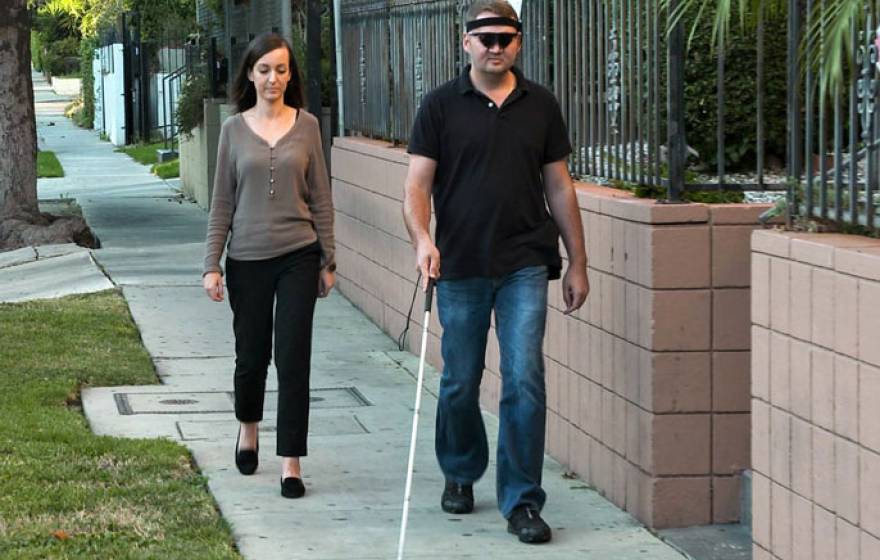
x=394 y=52
x=424 y=53
x=154 y=71
x=609 y=62
x=608 y=79
x=367 y=87
x=834 y=140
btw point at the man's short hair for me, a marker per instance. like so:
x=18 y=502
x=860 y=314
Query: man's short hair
x=498 y=7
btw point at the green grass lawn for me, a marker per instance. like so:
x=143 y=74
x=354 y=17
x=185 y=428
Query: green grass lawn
x=66 y=493
x=143 y=153
x=48 y=165
x=167 y=170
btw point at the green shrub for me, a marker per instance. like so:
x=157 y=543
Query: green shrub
x=190 y=107
x=709 y=196
x=37 y=50
x=86 y=116
x=216 y=6
x=61 y=57
x=714 y=197
x=74 y=108
x=740 y=87
x=76 y=112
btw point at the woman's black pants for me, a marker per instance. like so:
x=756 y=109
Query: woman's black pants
x=288 y=283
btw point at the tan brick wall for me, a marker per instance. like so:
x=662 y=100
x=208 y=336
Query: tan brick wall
x=648 y=384
x=815 y=389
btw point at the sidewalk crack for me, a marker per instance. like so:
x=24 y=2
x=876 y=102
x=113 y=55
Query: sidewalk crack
x=102 y=269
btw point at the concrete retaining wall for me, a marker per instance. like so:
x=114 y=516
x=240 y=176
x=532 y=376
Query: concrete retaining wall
x=648 y=384
x=67 y=86
x=815 y=389
x=198 y=154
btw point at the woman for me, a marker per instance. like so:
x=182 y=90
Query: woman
x=272 y=200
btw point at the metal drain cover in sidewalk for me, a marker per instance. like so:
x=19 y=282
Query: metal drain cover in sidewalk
x=207 y=402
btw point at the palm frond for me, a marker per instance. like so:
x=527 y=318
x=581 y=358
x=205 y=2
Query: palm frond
x=829 y=38
x=724 y=11
x=73 y=8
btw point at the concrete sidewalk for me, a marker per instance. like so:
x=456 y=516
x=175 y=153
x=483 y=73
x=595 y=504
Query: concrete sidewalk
x=362 y=395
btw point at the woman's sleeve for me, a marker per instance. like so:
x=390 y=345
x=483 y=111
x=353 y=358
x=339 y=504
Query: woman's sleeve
x=321 y=201
x=222 y=205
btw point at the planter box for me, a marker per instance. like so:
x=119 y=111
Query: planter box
x=815 y=389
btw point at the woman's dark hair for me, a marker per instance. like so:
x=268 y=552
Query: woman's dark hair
x=244 y=95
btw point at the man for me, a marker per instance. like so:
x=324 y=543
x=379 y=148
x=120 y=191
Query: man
x=491 y=148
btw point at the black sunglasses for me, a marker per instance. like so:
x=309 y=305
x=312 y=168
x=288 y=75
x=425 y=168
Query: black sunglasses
x=489 y=40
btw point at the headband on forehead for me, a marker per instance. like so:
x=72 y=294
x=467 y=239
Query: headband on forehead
x=485 y=22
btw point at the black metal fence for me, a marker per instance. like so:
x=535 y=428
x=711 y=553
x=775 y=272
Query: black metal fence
x=423 y=54
x=608 y=62
x=394 y=52
x=608 y=77
x=835 y=135
x=626 y=86
x=154 y=72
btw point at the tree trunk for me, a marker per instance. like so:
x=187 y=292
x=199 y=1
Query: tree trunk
x=18 y=128
x=21 y=223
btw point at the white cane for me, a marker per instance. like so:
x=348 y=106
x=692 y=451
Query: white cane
x=407 y=493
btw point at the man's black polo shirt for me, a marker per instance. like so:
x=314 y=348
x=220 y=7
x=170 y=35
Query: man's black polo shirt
x=488 y=191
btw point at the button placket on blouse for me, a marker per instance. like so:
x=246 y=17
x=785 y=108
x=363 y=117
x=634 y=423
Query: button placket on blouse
x=271 y=171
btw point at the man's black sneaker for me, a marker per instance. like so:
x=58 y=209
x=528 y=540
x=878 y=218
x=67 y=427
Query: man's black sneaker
x=525 y=522
x=457 y=498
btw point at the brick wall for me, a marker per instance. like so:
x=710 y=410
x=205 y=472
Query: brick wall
x=815 y=389
x=648 y=384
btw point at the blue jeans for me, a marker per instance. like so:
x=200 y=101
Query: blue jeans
x=465 y=306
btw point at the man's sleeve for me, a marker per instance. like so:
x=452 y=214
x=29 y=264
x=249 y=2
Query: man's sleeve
x=425 y=137
x=556 y=145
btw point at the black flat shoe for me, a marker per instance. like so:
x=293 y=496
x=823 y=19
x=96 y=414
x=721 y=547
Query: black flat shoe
x=247 y=459
x=525 y=522
x=457 y=498
x=292 y=487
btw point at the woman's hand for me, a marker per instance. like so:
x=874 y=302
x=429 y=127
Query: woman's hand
x=326 y=281
x=213 y=284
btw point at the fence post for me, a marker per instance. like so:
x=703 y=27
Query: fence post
x=144 y=88
x=313 y=56
x=213 y=69
x=126 y=78
x=392 y=93
x=675 y=157
x=795 y=143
